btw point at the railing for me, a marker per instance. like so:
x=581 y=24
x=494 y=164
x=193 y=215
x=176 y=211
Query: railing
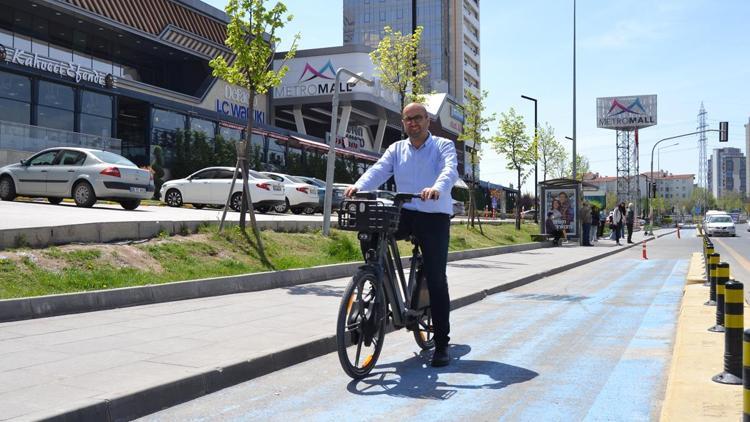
x=21 y=137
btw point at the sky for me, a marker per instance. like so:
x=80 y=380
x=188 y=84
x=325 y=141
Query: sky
x=684 y=51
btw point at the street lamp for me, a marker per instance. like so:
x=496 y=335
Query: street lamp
x=658 y=157
x=332 y=144
x=536 y=158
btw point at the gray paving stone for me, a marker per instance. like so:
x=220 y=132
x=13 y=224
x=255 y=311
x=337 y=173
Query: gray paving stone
x=88 y=363
x=29 y=358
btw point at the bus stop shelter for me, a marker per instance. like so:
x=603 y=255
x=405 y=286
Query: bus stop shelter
x=563 y=197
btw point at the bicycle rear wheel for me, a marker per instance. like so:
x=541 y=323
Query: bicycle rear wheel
x=360 y=329
x=423 y=333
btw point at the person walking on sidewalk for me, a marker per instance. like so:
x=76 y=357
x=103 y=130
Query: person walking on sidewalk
x=629 y=219
x=423 y=164
x=586 y=224
x=594 y=224
x=618 y=219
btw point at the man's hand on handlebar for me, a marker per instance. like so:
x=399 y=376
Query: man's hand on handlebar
x=350 y=191
x=429 y=193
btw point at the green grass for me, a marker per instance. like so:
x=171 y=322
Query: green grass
x=212 y=254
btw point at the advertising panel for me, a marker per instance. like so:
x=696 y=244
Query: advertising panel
x=562 y=204
x=625 y=113
x=232 y=100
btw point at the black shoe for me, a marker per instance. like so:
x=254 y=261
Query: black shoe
x=440 y=357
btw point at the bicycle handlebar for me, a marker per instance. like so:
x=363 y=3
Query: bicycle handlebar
x=400 y=198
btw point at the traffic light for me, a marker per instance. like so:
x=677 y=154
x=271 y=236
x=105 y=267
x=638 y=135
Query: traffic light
x=723 y=131
x=653 y=190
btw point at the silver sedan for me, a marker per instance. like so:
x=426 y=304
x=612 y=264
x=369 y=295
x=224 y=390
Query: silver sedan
x=85 y=175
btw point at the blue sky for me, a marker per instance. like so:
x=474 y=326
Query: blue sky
x=684 y=51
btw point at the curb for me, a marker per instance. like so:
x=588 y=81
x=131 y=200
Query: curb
x=71 y=303
x=154 y=399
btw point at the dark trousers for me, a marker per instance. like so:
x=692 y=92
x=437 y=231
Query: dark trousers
x=586 y=237
x=630 y=232
x=433 y=232
x=618 y=232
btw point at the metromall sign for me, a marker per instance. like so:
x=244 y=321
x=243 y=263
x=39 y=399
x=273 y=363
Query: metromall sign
x=58 y=67
x=626 y=113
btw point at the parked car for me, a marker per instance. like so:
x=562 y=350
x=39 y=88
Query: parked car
x=458 y=208
x=338 y=195
x=210 y=186
x=385 y=196
x=86 y=175
x=528 y=214
x=321 y=185
x=299 y=195
x=720 y=224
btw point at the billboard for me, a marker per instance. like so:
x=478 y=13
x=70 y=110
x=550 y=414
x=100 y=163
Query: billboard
x=562 y=204
x=626 y=113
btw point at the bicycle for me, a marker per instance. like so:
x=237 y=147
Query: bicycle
x=379 y=291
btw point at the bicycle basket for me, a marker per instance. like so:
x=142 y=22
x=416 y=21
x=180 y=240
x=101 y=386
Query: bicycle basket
x=368 y=216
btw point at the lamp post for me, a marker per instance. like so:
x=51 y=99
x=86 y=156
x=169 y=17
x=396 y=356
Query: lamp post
x=332 y=144
x=574 y=91
x=536 y=159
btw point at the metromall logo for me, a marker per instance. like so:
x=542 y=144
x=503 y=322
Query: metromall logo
x=321 y=73
x=617 y=106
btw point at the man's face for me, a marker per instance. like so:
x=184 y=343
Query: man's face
x=415 y=122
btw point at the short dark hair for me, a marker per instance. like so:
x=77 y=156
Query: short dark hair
x=549 y=214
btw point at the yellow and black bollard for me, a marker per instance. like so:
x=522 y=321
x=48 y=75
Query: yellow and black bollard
x=713 y=261
x=709 y=251
x=733 y=360
x=721 y=271
x=746 y=377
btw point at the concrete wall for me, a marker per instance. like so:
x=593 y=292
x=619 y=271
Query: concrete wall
x=9 y=156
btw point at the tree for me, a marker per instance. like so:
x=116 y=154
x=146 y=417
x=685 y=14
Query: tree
x=610 y=200
x=551 y=152
x=729 y=201
x=582 y=167
x=251 y=35
x=399 y=69
x=474 y=129
x=512 y=142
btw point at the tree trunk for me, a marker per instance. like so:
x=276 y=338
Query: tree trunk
x=518 y=203
x=247 y=203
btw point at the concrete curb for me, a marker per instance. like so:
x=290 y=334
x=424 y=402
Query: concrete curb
x=53 y=305
x=159 y=397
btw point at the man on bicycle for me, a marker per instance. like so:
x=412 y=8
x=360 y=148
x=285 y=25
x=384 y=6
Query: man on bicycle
x=423 y=164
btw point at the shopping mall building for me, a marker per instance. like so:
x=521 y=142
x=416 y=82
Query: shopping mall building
x=132 y=76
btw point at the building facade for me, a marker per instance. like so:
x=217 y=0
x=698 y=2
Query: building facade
x=450 y=42
x=747 y=159
x=674 y=188
x=727 y=172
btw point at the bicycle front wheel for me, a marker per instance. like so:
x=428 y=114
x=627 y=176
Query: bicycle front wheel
x=423 y=333
x=360 y=329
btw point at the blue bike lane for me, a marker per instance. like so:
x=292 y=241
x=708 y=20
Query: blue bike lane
x=593 y=343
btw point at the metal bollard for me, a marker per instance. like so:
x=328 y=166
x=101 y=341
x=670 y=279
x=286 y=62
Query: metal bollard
x=722 y=277
x=709 y=251
x=746 y=377
x=713 y=261
x=733 y=360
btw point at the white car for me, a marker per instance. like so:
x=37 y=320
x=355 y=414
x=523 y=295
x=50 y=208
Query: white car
x=210 y=186
x=86 y=175
x=720 y=224
x=299 y=195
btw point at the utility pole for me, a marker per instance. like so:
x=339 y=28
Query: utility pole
x=702 y=159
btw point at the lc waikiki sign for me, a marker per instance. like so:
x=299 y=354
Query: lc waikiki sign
x=315 y=76
x=626 y=113
x=232 y=100
x=58 y=67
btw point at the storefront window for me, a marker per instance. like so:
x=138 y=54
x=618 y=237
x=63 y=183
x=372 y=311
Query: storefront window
x=94 y=125
x=276 y=153
x=55 y=118
x=168 y=126
x=15 y=98
x=96 y=114
x=56 y=95
x=207 y=127
x=230 y=134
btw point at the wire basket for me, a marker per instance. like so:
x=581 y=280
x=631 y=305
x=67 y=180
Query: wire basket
x=368 y=216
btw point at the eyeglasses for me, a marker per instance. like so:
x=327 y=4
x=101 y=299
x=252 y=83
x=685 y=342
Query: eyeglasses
x=416 y=119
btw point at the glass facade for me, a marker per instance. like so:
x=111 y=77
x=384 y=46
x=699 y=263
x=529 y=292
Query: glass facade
x=15 y=98
x=167 y=126
x=96 y=114
x=56 y=106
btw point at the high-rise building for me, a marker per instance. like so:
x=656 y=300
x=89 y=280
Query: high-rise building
x=727 y=172
x=450 y=41
x=747 y=162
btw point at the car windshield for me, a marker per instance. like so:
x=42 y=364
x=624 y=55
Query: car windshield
x=112 y=158
x=256 y=175
x=296 y=179
x=721 y=219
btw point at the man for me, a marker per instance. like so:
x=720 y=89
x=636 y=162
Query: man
x=629 y=220
x=552 y=230
x=426 y=165
x=618 y=218
x=585 y=215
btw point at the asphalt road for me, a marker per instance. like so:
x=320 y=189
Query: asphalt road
x=734 y=250
x=593 y=343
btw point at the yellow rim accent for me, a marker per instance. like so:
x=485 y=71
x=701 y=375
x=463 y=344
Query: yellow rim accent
x=423 y=336
x=746 y=401
x=745 y=354
x=349 y=306
x=367 y=361
x=734 y=321
x=732 y=295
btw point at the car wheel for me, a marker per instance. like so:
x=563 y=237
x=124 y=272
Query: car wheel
x=309 y=210
x=7 y=189
x=199 y=206
x=283 y=208
x=83 y=195
x=262 y=210
x=130 y=204
x=236 y=202
x=173 y=198
x=54 y=201
x=298 y=211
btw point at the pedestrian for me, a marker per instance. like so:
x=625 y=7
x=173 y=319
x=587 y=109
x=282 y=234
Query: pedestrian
x=594 y=223
x=618 y=219
x=602 y=222
x=552 y=230
x=629 y=220
x=585 y=215
x=423 y=164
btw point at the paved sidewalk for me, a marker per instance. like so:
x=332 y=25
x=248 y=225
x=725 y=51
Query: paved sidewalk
x=126 y=362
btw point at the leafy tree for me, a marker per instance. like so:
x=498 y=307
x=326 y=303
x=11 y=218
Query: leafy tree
x=611 y=200
x=729 y=201
x=252 y=37
x=582 y=167
x=474 y=129
x=512 y=142
x=397 y=65
x=551 y=152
